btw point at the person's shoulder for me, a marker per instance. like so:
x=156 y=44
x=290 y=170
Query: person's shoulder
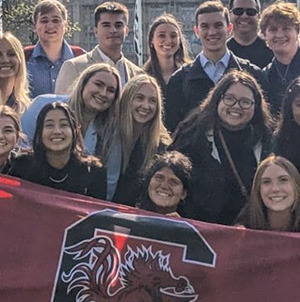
x=23 y=160
x=133 y=66
x=231 y=42
x=245 y=64
x=186 y=69
x=77 y=50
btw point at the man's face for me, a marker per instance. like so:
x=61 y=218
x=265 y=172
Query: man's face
x=111 y=31
x=50 y=27
x=245 y=23
x=213 y=31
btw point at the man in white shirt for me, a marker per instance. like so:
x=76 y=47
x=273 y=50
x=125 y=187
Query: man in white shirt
x=111 y=29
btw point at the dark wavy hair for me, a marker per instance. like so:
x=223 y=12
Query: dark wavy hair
x=206 y=117
x=177 y=162
x=76 y=149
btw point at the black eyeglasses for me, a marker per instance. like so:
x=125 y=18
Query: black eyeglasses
x=238 y=11
x=230 y=100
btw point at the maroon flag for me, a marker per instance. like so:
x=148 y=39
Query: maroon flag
x=57 y=246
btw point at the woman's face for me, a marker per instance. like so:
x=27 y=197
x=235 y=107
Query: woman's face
x=277 y=190
x=166 y=190
x=9 y=62
x=282 y=37
x=233 y=116
x=144 y=104
x=57 y=133
x=296 y=109
x=99 y=92
x=166 y=40
x=8 y=135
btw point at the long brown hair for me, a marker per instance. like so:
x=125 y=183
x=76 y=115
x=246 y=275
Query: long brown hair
x=180 y=57
x=254 y=214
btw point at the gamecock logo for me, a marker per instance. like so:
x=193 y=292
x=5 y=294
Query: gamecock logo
x=145 y=275
x=110 y=256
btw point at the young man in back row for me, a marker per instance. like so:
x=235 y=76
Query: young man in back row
x=45 y=59
x=111 y=29
x=189 y=86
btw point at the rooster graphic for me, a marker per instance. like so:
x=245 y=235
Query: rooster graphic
x=145 y=276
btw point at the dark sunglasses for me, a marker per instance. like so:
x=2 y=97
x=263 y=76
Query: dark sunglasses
x=240 y=10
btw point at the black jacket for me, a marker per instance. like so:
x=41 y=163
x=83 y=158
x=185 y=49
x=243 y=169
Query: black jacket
x=189 y=86
x=213 y=200
x=277 y=85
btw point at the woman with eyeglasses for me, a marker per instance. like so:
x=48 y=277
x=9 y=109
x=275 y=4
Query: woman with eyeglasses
x=225 y=138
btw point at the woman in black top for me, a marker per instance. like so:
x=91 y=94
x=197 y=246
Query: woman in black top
x=57 y=160
x=168 y=50
x=225 y=138
x=287 y=134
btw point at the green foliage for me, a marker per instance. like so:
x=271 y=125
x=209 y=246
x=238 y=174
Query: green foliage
x=17 y=18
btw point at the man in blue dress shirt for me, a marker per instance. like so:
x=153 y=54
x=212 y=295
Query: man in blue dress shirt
x=45 y=59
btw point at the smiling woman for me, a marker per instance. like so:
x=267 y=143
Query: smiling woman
x=167 y=182
x=225 y=139
x=13 y=77
x=275 y=197
x=168 y=49
x=10 y=130
x=139 y=134
x=57 y=159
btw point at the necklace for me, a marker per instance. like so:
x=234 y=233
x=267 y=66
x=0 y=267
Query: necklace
x=283 y=77
x=58 y=181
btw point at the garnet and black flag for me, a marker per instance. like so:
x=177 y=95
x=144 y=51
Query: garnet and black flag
x=138 y=32
x=62 y=247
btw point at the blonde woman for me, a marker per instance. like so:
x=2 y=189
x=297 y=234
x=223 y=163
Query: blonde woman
x=140 y=134
x=13 y=76
x=94 y=99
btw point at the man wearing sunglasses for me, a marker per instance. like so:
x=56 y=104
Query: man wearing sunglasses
x=189 y=86
x=245 y=42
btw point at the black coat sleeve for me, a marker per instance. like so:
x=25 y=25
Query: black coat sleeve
x=174 y=101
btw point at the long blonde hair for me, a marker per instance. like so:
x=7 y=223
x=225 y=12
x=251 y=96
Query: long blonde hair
x=153 y=133
x=21 y=87
x=104 y=121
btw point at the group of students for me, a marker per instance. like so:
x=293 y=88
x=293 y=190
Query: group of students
x=107 y=137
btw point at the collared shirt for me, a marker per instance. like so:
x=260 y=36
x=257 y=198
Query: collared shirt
x=215 y=70
x=119 y=65
x=42 y=73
